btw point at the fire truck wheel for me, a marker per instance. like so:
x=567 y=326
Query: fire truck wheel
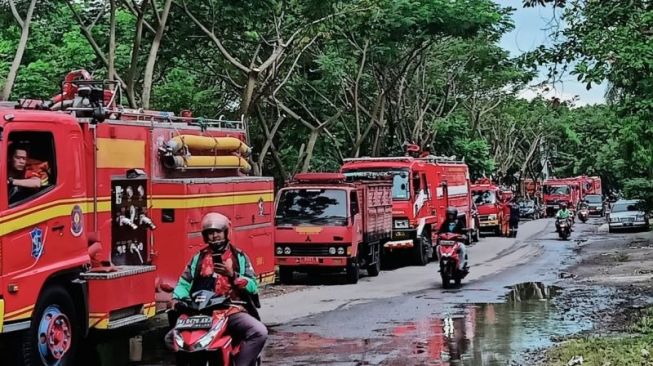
x=421 y=250
x=475 y=235
x=285 y=275
x=374 y=269
x=55 y=331
x=353 y=271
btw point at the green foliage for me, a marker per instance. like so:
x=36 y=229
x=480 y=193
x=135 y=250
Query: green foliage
x=634 y=348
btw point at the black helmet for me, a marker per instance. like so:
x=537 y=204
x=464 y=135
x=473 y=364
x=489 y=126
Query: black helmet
x=452 y=213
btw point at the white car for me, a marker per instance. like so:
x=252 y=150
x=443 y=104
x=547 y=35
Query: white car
x=627 y=214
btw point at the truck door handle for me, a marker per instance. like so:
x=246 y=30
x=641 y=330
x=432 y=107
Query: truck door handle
x=58 y=227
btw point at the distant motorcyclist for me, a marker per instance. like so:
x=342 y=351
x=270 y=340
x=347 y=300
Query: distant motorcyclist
x=563 y=214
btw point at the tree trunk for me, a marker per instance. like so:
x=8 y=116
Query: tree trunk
x=151 y=59
x=133 y=65
x=112 y=41
x=308 y=155
x=18 y=57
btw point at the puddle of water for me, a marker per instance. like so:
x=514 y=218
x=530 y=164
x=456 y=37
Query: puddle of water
x=474 y=334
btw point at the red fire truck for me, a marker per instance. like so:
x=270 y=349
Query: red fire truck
x=325 y=222
x=422 y=190
x=557 y=191
x=492 y=204
x=117 y=215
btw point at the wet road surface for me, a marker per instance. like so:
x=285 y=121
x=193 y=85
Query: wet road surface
x=506 y=306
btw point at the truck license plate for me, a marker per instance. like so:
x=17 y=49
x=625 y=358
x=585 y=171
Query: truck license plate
x=309 y=260
x=194 y=322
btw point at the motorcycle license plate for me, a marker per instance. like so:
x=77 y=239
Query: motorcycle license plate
x=309 y=260
x=194 y=322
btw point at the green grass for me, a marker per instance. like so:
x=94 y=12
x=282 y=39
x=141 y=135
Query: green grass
x=635 y=347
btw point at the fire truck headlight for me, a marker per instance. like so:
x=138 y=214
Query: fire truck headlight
x=401 y=224
x=332 y=250
x=279 y=250
x=341 y=251
x=492 y=217
x=287 y=251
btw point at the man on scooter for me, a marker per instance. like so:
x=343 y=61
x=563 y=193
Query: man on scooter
x=225 y=270
x=563 y=214
x=452 y=224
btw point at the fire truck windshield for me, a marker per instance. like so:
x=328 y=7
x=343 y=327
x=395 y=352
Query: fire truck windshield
x=485 y=197
x=559 y=190
x=400 y=184
x=312 y=207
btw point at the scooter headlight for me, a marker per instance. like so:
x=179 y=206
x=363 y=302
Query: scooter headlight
x=208 y=337
x=179 y=341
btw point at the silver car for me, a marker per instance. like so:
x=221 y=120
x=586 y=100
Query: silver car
x=627 y=214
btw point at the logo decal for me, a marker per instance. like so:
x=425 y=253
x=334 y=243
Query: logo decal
x=77 y=221
x=37 y=242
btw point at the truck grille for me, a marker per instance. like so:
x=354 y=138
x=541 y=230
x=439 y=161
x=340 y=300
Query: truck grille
x=484 y=217
x=310 y=250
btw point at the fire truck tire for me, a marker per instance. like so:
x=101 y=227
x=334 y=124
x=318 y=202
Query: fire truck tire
x=353 y=271
x=475 y=235
x=54 y=322
x=421 y=250
x=374 y=268
x=285 y=275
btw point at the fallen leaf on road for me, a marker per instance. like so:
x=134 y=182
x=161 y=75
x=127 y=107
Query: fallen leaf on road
x=645 y=353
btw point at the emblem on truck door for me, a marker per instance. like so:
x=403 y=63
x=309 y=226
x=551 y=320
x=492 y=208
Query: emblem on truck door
x=37 y=242
x=77 y=221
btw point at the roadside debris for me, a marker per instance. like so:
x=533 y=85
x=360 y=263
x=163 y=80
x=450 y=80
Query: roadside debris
x=576 y=360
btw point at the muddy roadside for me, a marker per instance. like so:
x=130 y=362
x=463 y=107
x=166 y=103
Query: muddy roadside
x=619 y=265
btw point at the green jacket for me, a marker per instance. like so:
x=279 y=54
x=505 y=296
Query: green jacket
x=243 y=269
x=563 y=214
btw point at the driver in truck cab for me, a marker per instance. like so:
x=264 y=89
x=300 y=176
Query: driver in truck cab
x=24 y=174
x=227 y=271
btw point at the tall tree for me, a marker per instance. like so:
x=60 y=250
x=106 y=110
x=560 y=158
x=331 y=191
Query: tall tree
x=22 y=44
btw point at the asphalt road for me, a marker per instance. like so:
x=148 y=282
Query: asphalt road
x=404 y=317
x=488 y=257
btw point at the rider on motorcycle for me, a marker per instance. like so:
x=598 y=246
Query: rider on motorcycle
x=563 y=214
x=452 y=224
x=232 y=276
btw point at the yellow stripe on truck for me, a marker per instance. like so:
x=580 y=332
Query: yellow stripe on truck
x=30 y=217
x=120 y=153
x=2 y=314
x=211 y=201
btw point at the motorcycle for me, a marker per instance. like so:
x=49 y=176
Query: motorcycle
x=564 y=228
x=452 y=256
x=200 y=335
x=583 y=214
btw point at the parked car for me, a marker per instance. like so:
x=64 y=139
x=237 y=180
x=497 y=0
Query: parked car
x=594 y=204
x=628 y=214
x=529 y=209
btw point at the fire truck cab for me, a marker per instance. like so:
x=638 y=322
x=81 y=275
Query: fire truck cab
x=100 y=210
x=492 y=203
x=558 y=191
x=422 y=190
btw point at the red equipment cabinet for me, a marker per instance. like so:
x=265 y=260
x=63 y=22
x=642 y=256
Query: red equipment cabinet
x=492 y=203
x=422 y=190
x=325 y=222
x=140 y=182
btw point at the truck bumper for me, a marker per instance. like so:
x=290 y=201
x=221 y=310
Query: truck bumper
x=311 y=261
x=399 y=244
x=489 y=224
